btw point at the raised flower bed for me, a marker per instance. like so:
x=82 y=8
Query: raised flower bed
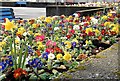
x=44 y=48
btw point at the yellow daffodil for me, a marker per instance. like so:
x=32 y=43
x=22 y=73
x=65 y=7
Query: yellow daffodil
x=68 y=44
x=58 y=56
x=107 y=24
x=104 y=17
x=9 y=25
x=67 y=56
x=48 y=19
x=88 y=30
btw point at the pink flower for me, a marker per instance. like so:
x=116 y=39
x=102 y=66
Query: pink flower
x=49 y=42
x=54 y=43
x=72 y=31
x=40 y=38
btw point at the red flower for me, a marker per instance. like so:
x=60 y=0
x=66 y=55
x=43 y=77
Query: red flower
x=80 y=27
x=49 y=50
x=70 y=20
x=91 y=34
x=68 y=36
x=103 y=32
x=86 y=24
x=102 y=25
x=72 y=31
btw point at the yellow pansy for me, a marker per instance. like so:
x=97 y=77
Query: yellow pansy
x=57 y=38
x=88 y=30
x=107 y=24
x=3 y=43
x=40 y=45
x=48 y=19
x=42 y=17
x=68 y=44
x=70 y=17
x=9 y=25
x=116 y=29
x=112 y=25
x=21 y=30
x=75 y=40
x=67 y=56
x=97 y=31
x=104 y=17
x=30 y=32
x=36 y=34
x=87 y=42
x=58 y=56
x=34 y=25
x=109 y=14
x=0 y=48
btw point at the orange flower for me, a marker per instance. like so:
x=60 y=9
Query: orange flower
x=82 y=56
x=24 y=72
x=16 y=75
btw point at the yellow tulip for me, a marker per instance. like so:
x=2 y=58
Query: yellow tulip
x=40 y=45
x=34 y=25
x=58 y=56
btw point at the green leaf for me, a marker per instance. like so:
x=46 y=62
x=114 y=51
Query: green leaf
x=20 y=56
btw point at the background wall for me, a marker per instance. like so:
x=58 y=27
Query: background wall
x=63 y=0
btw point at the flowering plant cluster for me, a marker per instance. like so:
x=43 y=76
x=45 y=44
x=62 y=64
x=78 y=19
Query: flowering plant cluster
x=43 y=48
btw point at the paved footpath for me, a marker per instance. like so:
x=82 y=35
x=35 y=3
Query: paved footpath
x=101 y=68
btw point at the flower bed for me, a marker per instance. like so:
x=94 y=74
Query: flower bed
x=44 y=48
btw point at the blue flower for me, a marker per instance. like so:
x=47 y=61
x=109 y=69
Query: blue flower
x=10 y=63
x=119 y=21
x=40 y=64
x=10 y=57
x=45 y=55
x=74 y=44
x=36 y=60
x=2 y=66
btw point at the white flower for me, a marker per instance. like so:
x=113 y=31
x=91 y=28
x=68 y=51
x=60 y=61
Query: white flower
x=25 y=33
x=63 y=37
x=94 y=21
x=76 y=27
x=51 y=56
x=39 y=21
x=56 y=28
x=76 y=15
